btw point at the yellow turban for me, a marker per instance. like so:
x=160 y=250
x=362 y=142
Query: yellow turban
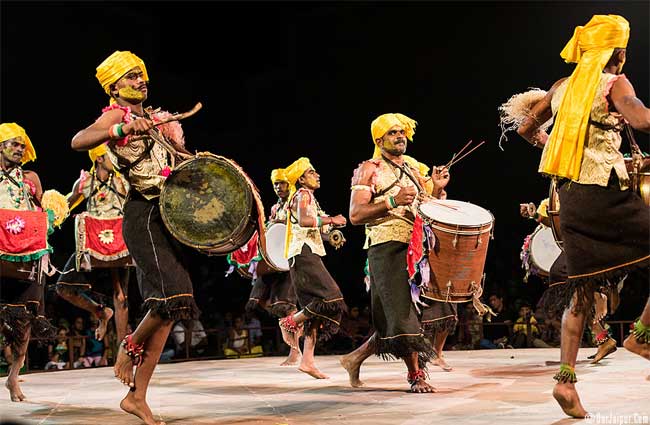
x=9 y=130
x=383 y=123
x=96 y=152
x=591 y=47
x=278 y=175
x=116 y=66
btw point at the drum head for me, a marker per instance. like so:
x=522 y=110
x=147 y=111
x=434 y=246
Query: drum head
x=275 y=240
x=206 y=202
x=453 y=212
x=543 y=249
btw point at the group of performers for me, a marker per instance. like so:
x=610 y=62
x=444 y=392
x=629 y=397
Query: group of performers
x=132 y=154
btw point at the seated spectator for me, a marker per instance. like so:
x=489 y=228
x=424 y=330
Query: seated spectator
x=78 y=341
x=254 y=327
x=58 y=354
x=95 y=353
x=469 y=328
x=525 y=331
x=198 y=338
x=238 y=344
x=497 y=335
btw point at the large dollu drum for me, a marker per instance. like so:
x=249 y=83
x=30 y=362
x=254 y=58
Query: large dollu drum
x=210 y=204
x=24 y=249
x=462 y=232
x=100 y=243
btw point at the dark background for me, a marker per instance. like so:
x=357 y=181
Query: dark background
x=283 y=80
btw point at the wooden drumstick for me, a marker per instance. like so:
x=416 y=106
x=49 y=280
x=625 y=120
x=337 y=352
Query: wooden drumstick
x=181 y=116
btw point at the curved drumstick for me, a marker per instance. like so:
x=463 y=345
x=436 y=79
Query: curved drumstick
x=181 y=116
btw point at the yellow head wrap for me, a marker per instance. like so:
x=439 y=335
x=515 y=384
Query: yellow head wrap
x=9 y=130
x=383 y=123
x=97 y=151
x=116 y=66
x=295 y=170
x=591 y=47
x=278 y=175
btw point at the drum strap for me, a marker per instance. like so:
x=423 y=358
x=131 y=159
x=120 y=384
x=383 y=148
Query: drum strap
x=404 y=170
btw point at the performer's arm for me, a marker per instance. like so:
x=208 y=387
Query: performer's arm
x=33 y=177
x=98 y=132
x=627 y=104
x=75 y=196
x=540 y=113
x=306 y=220
x=362 y=210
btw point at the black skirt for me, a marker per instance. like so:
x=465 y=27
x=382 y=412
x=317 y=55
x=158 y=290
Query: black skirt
x=319 y=295
x=161 y=261
x=606 y=234
x=439 y=317
x=394 y=317
x=22 y=306
x=274 y=292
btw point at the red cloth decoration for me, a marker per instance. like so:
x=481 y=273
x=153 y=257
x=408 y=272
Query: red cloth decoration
x=415 y=252
x=30 y=239
x=244 y=255
x=104 y=236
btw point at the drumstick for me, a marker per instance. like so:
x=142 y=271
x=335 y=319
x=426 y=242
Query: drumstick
x=470 y=151
x=181 y=116
x=457 y=153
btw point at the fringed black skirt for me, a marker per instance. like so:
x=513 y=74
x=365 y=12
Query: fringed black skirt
x=606 y=234
x=275 y=293
x=318 y=294
x=22 y=307
x=394 y=316
x=439 y=317
x=161 y=263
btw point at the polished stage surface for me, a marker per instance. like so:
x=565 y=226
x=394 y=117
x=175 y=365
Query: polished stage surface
x=486 y=387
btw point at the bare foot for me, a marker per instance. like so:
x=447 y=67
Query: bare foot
x=123 y=367
x=294 y=357
x=313 y=372
x=15 y=392
x=353 y=366
x=103 y=323
x=289 y=338
x=567 y=396
x=442 y=364
x=140 y=409
x=631 y=344
x=421 y=386
x=604 y=350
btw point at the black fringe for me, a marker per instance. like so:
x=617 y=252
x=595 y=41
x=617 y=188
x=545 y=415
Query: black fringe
x=433 y=327
x=180 y=308
x=15 y=320
x=42 y=328
x=252 y=305
x=282 y=309
x=401 y=347
x=329 y=324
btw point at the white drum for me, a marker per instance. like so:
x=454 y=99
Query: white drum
x=543 y=249
x=274 y=250
x=540 y=251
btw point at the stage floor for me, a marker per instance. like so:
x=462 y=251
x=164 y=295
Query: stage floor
x=486 y=387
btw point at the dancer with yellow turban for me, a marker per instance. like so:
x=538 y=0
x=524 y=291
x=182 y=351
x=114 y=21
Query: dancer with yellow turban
x=383 y=191
x=21 y=300
x=319 y=295
x=144 y=154
x=274 y=291
x=604 y=224
x=105 y=193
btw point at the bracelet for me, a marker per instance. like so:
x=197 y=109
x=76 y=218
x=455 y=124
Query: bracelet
x=319 y=222
x=392 y=201
x=111 y=132
x=119 y=131
x=389 y=206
